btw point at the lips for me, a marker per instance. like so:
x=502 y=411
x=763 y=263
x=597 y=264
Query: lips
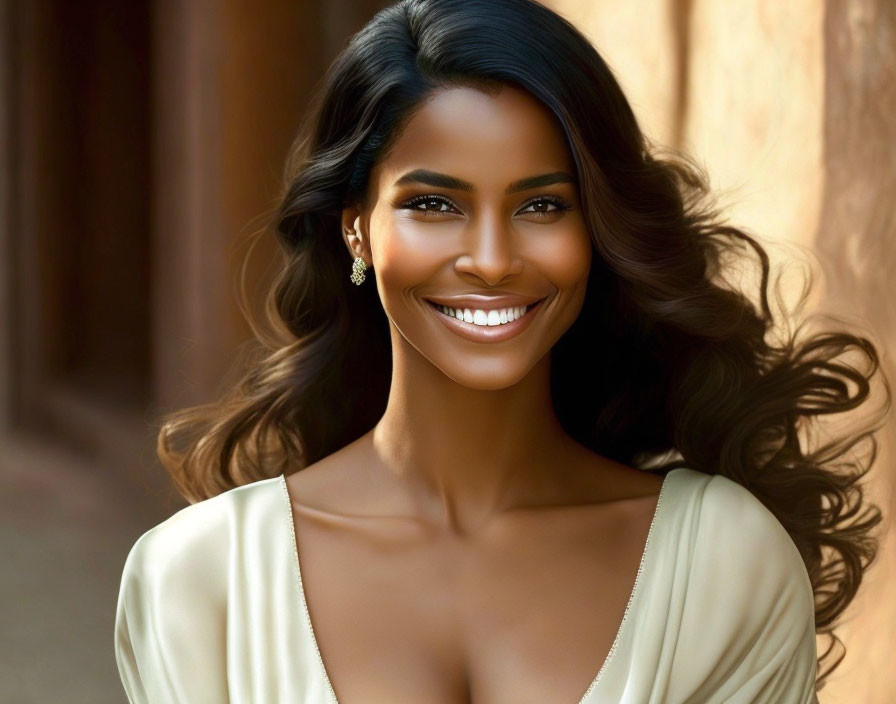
x=485 y=333
x=485 y=303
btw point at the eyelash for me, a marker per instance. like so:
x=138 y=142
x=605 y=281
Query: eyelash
x=556 y=201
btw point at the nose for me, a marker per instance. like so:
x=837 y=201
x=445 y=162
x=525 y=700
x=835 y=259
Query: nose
x=490 y=252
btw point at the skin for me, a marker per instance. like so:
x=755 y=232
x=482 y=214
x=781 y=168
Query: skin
x=466 y=537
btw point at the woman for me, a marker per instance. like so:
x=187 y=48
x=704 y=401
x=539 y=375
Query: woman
x=546 y=455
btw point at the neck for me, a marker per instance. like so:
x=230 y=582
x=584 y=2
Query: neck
x=462 y=455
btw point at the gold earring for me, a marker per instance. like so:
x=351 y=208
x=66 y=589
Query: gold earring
x=358 y=267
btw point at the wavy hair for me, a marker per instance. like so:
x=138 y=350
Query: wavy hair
x=704 y=376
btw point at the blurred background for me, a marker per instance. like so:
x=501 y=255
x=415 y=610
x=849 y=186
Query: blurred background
x=142 y=141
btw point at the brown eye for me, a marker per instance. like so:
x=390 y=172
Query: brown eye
x=421 y=204
x=547 y=206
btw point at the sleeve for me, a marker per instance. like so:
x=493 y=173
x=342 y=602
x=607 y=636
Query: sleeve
x=170 y=622
x=748 y=632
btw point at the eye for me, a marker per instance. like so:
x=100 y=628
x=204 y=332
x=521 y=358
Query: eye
x=415 y=203
x=421 y=204
x=558 y=203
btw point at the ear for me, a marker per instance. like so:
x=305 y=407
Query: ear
x=356 y=241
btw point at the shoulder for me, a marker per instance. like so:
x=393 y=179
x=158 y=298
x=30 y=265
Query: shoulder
x=734 y=522
x=185 y=558
x=173 y=568
x=736 y=536
x=748 y=604
x=171 y=617
x=180 y=544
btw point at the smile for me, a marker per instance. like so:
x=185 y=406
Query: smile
x=481 y=325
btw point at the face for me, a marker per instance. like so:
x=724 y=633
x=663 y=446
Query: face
x=475 y=232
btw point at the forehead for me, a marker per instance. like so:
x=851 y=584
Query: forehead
x=488 y=139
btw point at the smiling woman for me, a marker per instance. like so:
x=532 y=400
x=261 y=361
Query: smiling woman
x=494 y=221
x=545 y=453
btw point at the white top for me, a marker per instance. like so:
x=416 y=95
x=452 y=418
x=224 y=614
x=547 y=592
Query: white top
x=212 y=609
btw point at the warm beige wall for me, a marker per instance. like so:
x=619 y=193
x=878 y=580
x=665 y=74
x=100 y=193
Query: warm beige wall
x=642 y=56
x=790 y=107
x=754 y=114
x=856 y=243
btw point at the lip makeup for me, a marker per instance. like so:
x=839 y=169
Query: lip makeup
x=485 y=333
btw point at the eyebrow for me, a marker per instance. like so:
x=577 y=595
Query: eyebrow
x=433 y=178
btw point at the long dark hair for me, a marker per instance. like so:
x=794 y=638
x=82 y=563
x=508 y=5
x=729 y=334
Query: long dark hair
x=668 y=364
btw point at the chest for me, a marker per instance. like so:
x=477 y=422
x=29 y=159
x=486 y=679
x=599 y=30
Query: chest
x=527 y=612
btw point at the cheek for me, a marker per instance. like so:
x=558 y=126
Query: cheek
x=407 y=252
x=565 y=257
x=404 y=255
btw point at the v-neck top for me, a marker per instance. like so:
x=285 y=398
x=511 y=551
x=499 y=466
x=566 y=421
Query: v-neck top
x=212 y=607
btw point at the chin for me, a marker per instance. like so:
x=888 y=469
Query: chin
x=485 y=375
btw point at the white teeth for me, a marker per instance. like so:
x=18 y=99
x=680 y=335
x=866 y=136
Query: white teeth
x=485 y=317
